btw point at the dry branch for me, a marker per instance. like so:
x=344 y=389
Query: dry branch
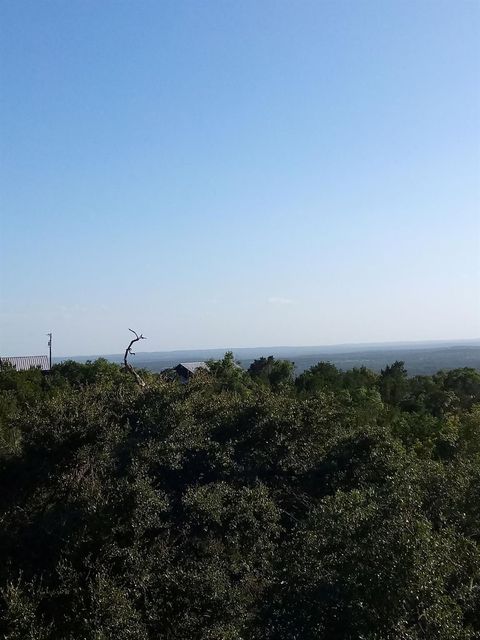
x=129 y=352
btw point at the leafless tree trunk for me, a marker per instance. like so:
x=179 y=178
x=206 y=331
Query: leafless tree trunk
x=129 y=352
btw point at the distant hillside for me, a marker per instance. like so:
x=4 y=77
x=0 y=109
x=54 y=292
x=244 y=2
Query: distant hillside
x=419 y=358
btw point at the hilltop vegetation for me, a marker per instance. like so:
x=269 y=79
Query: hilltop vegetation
x=242 y=505
x=420 y=358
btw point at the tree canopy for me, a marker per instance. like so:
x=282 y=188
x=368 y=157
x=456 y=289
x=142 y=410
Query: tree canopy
x=242 y=505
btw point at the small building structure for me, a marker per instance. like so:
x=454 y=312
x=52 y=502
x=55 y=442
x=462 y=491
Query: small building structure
x=185 y=370
x=24 y=363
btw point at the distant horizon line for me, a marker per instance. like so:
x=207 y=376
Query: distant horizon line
x=342 y=345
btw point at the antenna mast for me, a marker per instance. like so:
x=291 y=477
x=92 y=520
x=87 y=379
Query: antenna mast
x=50 y=348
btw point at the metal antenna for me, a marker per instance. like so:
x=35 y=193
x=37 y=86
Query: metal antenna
x=50 y=347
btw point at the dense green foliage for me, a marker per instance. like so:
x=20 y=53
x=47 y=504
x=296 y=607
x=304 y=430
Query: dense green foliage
x=242 y=505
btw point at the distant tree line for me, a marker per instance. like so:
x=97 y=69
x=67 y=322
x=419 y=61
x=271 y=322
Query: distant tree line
x=244 y=505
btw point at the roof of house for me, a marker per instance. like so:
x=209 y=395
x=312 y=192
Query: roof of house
x=193 y=366
x=23 y=363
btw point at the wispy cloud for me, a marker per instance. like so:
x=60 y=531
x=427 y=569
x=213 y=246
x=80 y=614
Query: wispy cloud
x=279 y=300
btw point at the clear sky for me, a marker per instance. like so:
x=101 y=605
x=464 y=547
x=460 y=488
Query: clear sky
x=248 y=173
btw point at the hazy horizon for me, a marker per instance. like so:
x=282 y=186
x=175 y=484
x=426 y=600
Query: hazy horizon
x=301 y=173
x=355 y=346
x=420 y=358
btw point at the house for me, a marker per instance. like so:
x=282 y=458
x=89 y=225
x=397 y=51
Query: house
x=24 y=363
x=185 y=370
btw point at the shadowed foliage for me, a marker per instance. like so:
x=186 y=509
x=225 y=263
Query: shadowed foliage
x=242 y=505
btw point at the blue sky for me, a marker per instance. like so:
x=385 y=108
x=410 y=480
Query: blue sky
x=246 y=173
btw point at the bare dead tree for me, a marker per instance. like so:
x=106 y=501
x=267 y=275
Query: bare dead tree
x=129 y=352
